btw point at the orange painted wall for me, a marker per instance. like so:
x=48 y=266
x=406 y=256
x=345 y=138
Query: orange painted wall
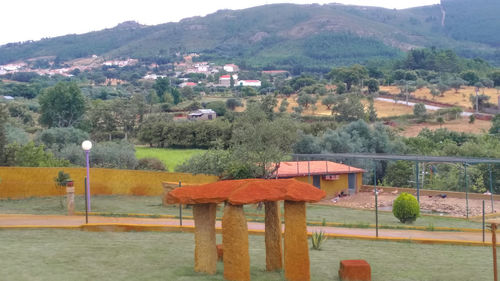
x=334 y=187
x=22 y=182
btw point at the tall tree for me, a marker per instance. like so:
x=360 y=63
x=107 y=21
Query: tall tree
x=3 y=134
x=260 y=142
x=62 y=105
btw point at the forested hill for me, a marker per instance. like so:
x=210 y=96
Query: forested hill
x=313 y=37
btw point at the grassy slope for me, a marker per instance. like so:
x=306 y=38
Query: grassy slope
x=171 y=157
x=75 y=255
x=152 y=205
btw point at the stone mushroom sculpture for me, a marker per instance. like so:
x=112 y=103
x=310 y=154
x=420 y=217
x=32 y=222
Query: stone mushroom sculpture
x=236 y=193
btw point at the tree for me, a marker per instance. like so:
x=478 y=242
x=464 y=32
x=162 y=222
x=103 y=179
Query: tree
x=57 y=138
x=371 y=112
x=161 y=86
x=3 y=134
x=218 y=106
x=495 y=125
x=420 y=111
x=328 y=101
x=373 y=85
x=60 y=181
x=305 y=100
x=62 y=105
x=340 y=88
x=261 y=142
x=399 y=174
x=349 y=108
x=434 y=92
x=482 y=100
x=233 y=103
x=495 y=76
x=470 y=76
x=349 y=75
x=284 y=105
x=440 y=120
x=456 y=83
x=442 y=87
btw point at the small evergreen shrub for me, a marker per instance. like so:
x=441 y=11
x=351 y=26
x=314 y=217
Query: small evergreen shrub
x=151 y=164
x=406 y=208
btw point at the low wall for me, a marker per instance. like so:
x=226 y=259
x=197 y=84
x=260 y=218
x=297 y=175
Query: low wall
x=23 y=182
x=428 y=192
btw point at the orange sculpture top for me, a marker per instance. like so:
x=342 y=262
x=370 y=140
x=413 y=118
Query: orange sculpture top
x=248 y=191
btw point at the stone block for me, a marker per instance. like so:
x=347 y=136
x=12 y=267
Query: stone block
x=355 y=270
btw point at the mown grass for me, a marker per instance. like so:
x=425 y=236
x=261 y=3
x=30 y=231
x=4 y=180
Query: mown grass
x=76 y=255
x=171 y=157
x=122 y=204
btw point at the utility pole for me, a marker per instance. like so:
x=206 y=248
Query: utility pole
x=477 y=100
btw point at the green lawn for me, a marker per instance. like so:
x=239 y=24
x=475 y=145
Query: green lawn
x=75 y=255
x=122 y=204
x=171 y=157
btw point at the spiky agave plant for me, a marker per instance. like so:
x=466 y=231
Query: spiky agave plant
x=317 y=239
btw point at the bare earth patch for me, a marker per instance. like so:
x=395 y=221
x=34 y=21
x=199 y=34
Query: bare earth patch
x=451 y=206
x=459 y=125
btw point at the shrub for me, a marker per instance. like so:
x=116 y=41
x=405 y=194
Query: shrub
x=317 y=240
x=150 y=164
x=406 y=208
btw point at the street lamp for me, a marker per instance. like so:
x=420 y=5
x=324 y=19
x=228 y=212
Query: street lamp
x=87 y=145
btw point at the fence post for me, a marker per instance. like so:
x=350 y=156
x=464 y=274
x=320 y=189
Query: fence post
x=180 y=209
x=376 y=196
x=494 y=245
x=466 y=191
x=491 y=190
x=417 y=172
x=483 y=222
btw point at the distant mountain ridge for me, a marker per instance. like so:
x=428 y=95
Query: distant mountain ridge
x=314 y=37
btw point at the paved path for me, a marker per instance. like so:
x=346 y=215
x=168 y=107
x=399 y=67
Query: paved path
x=427 y=106
x=59 y=220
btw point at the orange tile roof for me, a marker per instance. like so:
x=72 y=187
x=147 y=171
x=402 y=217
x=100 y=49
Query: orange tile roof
x=304 y=168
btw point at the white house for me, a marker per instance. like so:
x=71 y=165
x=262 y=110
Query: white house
x=225 y=80
x=202 y=114
x=231 y=68
x=249 y=83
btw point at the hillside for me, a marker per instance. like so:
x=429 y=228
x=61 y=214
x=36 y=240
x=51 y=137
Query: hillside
x=294 y=37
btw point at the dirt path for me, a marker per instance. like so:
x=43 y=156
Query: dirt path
x=54 y=220
x=448 y=206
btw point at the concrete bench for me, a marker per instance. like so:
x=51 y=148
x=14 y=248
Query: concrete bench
x=355 y=270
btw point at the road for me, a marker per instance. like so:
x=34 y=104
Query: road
x=428 y=107
x=17 y=220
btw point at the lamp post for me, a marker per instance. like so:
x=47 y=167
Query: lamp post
x=87 y=145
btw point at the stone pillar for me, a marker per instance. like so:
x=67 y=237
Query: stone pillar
x=70 y=198
x=205 y=252
x=274 y=248
x=235 y=242
x=296 y=246
x=167 y=187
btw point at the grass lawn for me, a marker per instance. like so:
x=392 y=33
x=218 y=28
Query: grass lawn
x=171 y=157
x=122 y=204
x=76 y=255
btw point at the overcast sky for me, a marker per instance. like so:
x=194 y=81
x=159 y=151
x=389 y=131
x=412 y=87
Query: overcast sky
x=22 y=20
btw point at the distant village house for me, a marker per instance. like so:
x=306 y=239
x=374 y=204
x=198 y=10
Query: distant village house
x=202 y=114
x=231 y=68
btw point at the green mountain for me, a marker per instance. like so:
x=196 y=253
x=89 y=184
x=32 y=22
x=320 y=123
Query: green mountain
x=296 y=37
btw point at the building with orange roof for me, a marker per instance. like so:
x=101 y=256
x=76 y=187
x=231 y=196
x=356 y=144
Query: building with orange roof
x=331 y=177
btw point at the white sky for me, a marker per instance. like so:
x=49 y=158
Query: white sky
x=22 y=20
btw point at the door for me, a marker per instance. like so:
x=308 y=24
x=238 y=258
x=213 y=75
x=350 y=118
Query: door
x=352 y=183
x=317 y=181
